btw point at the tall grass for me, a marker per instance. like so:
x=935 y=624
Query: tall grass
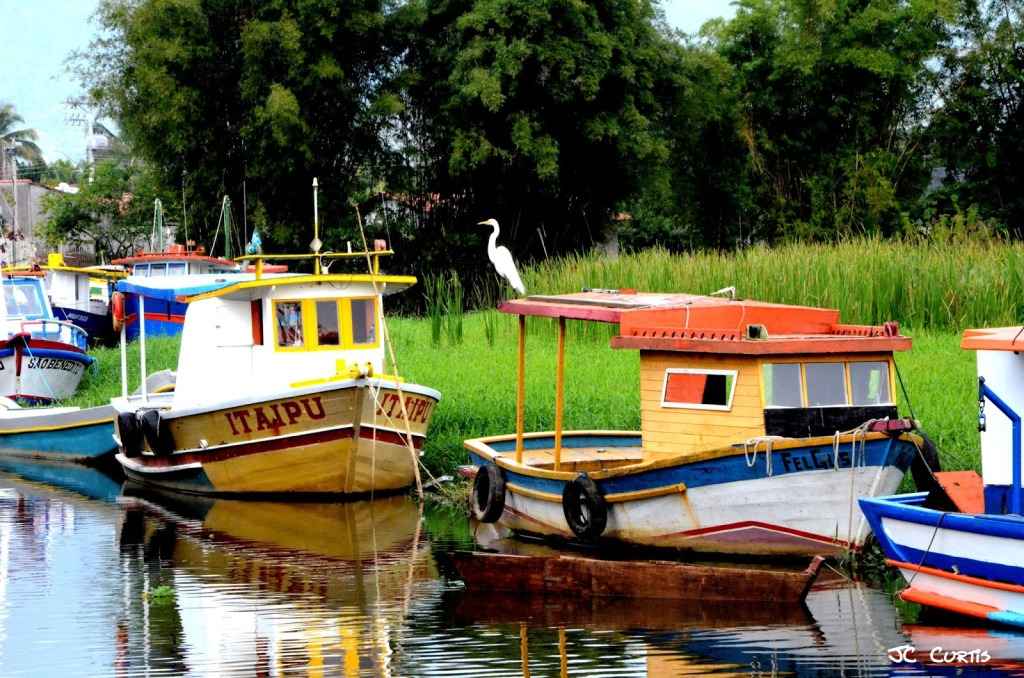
x=946 y=285
x=102 y=381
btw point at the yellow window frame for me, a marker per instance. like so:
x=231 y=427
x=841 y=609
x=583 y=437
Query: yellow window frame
x=803 y=361
x=308 y=317
x=349 y=326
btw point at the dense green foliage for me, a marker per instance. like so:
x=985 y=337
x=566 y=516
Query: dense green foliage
x=795 y=119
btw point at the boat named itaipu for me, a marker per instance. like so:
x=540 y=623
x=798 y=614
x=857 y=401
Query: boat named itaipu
x=281 y=389
x=761 y=426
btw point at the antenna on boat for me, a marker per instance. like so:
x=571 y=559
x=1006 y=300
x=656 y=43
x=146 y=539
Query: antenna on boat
x=316 y=244
x=157 y=236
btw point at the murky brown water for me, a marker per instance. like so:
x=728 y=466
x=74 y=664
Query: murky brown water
x=99 y=580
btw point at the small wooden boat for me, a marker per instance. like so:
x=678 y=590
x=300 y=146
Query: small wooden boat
x=65 y=433
x=281 y=390
x=593 y=577
x=41 y=358
x=82 y=295
x=961 y=546
x=761 y=425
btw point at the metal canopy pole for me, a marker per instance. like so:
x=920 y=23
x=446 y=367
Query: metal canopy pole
x=521 y=390
x=142 y=346
x=124 y=361
x=559 y=392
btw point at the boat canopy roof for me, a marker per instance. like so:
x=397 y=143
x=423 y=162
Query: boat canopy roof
x=175 y=253
x=703 y=324
x=994 y=339
x=249 y=286
x=172 y=287
x=105 y=272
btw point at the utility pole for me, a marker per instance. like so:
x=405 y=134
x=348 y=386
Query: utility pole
x=10 y=151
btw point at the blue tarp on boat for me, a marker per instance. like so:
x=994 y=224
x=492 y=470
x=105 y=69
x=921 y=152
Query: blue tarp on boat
x=173 y=287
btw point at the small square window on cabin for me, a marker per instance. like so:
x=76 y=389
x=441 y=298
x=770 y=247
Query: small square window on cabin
x=869 y=382
x=156 y=270
x=364 y=321
x=782 y=385
x=289 y=323
x=177 y=268
x=826 y=384
x=700 y=389
x=327 y=333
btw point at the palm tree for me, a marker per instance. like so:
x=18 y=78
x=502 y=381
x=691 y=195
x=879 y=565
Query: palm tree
x=22 y=140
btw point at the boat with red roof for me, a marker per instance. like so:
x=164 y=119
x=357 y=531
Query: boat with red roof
x=761 y=426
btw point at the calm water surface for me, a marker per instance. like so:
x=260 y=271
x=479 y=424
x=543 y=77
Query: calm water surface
x=98 y=580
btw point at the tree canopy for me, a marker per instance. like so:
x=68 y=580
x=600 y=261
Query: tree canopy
x=567 y=120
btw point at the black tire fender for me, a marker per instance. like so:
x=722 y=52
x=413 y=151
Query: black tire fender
x=156 y=433
x=130 y=434
x=488 y=493
x=584 y=507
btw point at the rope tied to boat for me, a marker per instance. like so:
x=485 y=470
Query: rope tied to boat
x=750 y=448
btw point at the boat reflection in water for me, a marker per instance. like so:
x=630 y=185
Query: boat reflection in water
x=265 y=587
x=160 y=585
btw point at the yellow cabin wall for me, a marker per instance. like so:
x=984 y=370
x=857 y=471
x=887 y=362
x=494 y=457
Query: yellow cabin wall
x=679 y=431
x=669 y=431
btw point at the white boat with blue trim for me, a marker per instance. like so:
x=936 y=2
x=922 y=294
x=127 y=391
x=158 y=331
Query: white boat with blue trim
x=761 y=426
x=960 y=546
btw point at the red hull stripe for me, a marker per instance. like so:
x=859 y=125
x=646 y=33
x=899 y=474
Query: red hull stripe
x=132 y=318
x=271 y=445
x=746 y=524
x=965 y=607
x=43 y=343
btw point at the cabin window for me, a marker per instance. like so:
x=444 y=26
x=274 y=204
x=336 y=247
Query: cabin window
x=869 y=383
x=826 y=384
x=698 y=389
x=364 y=321
x=157 y=270
x=141 y=269
x=327 y=330
x=288 y=315
x=176 y=268
x=782 y=385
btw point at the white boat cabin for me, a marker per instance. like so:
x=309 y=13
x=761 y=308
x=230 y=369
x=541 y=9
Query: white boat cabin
x=176 y=261
x=277 y=333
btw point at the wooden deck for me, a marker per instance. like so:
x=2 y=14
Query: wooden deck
x=578 y=459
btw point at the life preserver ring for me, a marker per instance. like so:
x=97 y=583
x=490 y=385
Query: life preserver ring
x=117 y=311
x=130 y=434
x=584 y=507
x=925 y=465
x=488 y=494
x=157 y=436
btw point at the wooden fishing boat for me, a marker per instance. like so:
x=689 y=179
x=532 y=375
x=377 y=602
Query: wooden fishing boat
x=41 y=358
x=82 y=295
x=281 y=389
x=961 y=546
x=65 y=433
x=593 y=577
x=761 y=425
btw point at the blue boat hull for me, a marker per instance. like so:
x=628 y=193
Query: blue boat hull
x=99 y=327
x=163 y=318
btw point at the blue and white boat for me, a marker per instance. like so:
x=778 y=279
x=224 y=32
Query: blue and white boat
x=961 y=546
x=41 y=358
x=82 y=295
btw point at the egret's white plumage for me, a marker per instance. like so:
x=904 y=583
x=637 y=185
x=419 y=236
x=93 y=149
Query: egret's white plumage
x=502 y=258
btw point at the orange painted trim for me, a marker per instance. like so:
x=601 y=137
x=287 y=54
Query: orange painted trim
x=810 y=345
x=963 y=578
x=994 y=339
x=963 y=607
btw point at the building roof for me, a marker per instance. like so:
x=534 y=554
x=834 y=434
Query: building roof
x=994 y=339
x=702 y=324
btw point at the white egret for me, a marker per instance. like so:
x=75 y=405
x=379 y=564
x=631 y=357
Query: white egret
x=502 y=258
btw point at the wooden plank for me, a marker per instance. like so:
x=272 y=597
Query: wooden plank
x=654 y=579
x=964 y=489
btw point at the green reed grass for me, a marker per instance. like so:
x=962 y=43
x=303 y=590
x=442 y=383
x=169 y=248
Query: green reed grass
x=102 y=381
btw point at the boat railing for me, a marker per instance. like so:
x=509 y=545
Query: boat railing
x=318 y=258
x=986 y=393
x=56 y=330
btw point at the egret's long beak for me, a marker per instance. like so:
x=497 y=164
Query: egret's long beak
x=482 y=223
